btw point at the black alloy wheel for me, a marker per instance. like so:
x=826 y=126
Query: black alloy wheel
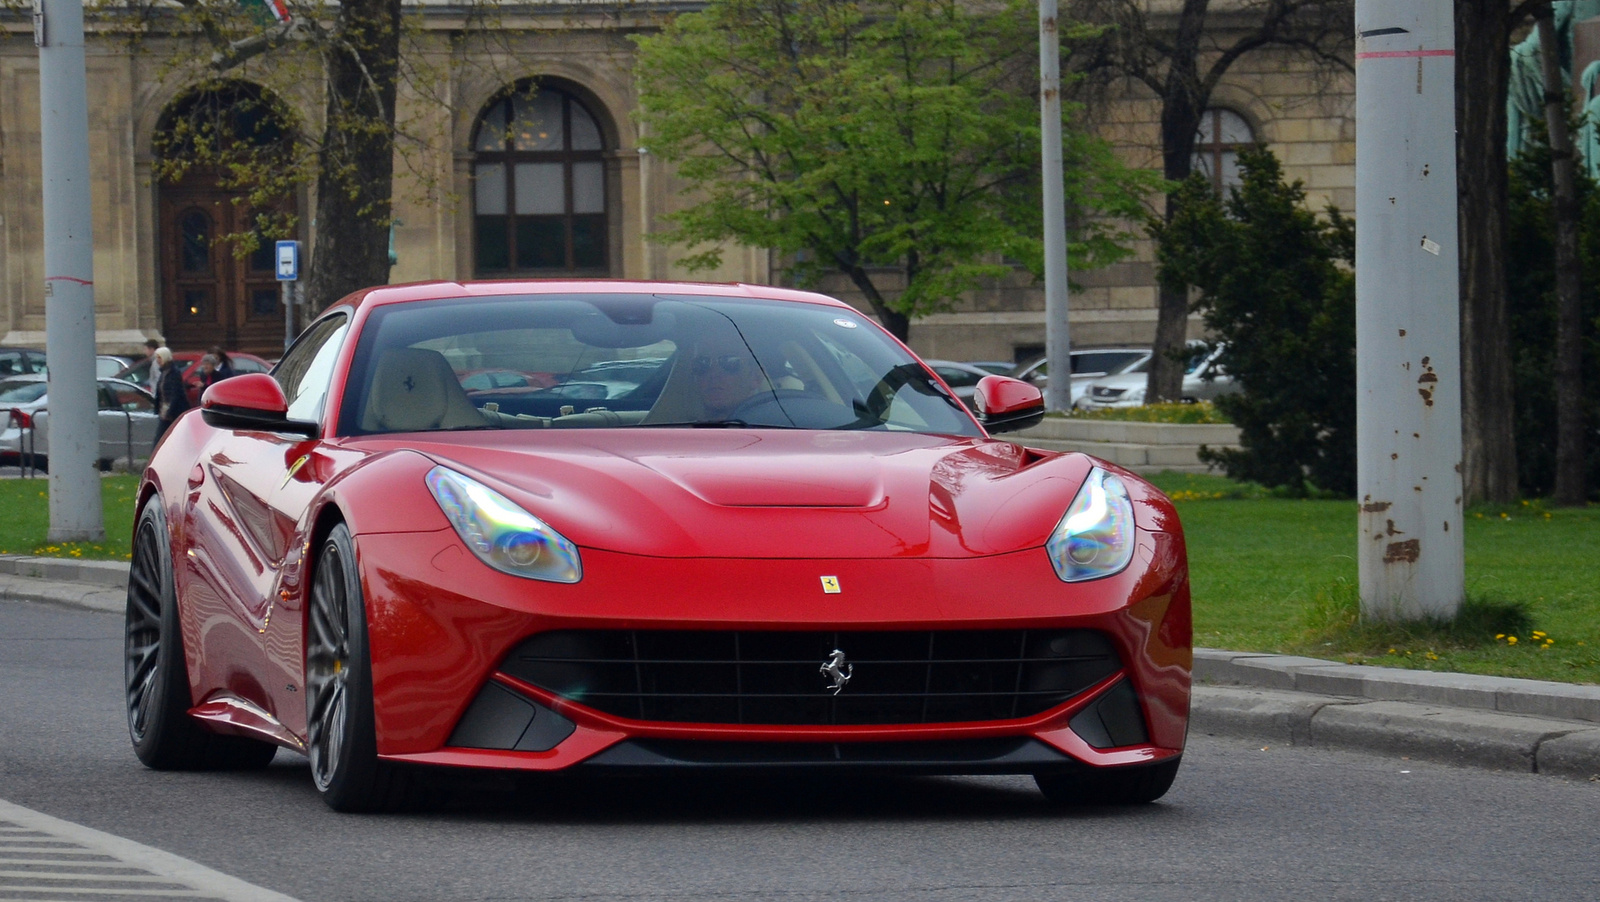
x=156 y=677
x=343 y=744
x=1131 y=785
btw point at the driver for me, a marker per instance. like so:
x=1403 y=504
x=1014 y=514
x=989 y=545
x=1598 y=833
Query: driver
x=727 y=376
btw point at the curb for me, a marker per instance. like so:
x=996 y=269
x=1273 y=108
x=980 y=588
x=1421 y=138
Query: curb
x=1497 y=723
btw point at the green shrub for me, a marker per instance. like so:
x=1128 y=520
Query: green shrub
x=1277 y=286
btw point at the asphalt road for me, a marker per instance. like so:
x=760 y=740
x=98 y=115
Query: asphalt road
x=1243 y=822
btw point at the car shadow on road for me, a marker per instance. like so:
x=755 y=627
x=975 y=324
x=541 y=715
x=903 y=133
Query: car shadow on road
x=712 y=798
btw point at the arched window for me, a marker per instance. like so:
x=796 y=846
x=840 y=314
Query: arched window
x=1217 y=142
x=539 y=194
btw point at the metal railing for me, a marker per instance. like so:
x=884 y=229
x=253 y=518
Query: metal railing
x=27 y=462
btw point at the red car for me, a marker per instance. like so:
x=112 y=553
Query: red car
x=139 y=372
x=776 y=540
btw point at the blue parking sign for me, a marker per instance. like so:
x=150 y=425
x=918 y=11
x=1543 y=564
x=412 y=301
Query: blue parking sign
x=288 y=261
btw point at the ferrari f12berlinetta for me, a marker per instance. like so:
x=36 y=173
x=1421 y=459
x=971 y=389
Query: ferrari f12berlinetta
x=622 y=527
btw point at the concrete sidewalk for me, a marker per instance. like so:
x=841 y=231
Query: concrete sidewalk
x=1454 y=718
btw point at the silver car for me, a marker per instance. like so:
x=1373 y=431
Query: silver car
x=1088 y=365
x=1203 y=379
x=127 y=418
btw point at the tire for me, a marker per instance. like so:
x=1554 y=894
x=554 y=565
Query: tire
x=1137 y=785
x=155 y=675
x=342 y=739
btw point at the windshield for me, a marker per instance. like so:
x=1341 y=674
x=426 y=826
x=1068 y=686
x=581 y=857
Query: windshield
x=636 y=361
x=19 y=392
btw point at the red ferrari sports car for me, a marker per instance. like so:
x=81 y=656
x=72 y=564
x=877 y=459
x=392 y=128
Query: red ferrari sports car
x=742 y=527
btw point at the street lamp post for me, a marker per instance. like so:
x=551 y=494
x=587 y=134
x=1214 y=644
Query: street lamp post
x=75 y=505
x=1057 y=341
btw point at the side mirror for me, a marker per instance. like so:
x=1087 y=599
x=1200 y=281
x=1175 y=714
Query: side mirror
x=253 y=401
x=1006 y=405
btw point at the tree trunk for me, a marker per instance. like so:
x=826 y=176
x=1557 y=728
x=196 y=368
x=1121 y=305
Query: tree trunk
x=1488 y=436
x=1570 y=487
x=355 y=181
x=1182 y=104
x=898 y=324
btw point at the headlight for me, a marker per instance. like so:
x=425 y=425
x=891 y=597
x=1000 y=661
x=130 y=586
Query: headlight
x=500 y=533
x=1095 y=538
x=1136 y=396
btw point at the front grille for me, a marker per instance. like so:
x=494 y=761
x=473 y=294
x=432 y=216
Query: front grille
x=1108 y=393
x=758 y=677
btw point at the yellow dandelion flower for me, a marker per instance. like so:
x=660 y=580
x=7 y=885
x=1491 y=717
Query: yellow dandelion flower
x=1499 y=635
x=1538 y=634
x=1511 y=640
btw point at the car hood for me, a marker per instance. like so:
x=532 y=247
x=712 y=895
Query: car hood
x=770 y=493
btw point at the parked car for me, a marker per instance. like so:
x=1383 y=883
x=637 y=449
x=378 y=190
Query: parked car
x=1088 y=365
x=20 y=362
x=139 y=373
x=961 y=377
x=1204 y=378
x=107 y=366
x=127 y=420
x=781 y=555
x=997 y=367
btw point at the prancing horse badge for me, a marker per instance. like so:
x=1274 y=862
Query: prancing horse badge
x=830 y=585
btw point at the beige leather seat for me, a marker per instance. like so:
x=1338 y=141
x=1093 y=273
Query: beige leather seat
x=414 y=390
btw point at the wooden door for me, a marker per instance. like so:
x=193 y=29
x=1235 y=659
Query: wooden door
x=209 y=295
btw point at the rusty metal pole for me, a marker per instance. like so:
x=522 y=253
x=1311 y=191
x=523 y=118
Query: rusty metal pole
x=1408 y=348
x=1057 y=335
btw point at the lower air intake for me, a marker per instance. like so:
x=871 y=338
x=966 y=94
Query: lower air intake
x=760 y=677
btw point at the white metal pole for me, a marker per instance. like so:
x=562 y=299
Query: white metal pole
x=1057 y=340
x=75 y=506
x=1408 y=351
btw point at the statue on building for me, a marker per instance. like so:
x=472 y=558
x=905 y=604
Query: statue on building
x=1525 y=93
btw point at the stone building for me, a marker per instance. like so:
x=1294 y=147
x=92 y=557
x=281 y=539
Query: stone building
x=573 y=197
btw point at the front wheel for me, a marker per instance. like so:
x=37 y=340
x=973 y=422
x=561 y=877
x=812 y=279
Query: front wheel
x=1136 y=785
x=343 y=744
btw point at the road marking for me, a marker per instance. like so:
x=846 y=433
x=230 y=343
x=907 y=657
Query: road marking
x=46 y=859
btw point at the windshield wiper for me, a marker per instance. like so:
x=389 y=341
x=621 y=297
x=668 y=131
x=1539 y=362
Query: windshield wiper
x=729 y=423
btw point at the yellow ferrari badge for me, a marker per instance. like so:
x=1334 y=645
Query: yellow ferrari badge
x=830 y=585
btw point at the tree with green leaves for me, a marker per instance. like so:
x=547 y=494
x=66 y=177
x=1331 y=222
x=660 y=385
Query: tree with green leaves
x=1277 y=287
x=894 y=141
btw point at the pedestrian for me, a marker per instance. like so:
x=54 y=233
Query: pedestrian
x=207 y=370
x=171 y=398
x=224 y=368
x=154 y=372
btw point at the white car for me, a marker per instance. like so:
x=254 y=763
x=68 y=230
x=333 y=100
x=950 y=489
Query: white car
x=1203 y=379
x=127 y=419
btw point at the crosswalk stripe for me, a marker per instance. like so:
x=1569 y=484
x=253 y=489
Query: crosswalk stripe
x=46 y=859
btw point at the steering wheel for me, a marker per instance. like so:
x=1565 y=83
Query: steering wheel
x=791 y=407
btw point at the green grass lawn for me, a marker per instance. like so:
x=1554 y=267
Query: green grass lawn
x=1279 y=574
x=1269 y=574
x=26 y=522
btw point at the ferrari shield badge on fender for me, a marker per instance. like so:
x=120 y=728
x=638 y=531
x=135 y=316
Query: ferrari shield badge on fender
x=830 y=585
x=837 y=671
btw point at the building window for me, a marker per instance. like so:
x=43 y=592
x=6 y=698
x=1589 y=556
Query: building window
x=539 y=192
x=1222 y=134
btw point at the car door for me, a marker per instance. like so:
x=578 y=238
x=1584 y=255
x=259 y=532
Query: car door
x=243 y=510
x=128 y=421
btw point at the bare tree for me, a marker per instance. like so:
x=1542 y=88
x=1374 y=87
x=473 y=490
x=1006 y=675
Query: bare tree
x=1570 y=488
x=1173 y=49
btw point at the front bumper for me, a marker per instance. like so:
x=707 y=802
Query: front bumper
x=442 y=625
